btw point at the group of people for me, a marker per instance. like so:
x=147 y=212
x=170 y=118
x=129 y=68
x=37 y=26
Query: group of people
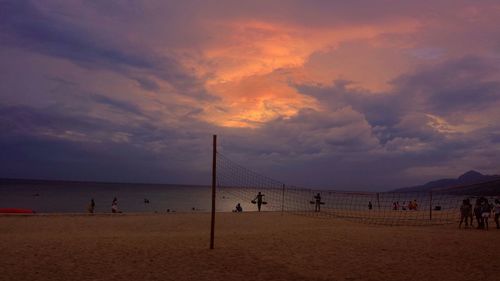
x=114 y=206
x=412 y=205
x=482 y=210
x=259 y=200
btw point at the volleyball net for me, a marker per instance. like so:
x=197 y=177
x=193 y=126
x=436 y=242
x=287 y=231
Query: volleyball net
x=239 y=185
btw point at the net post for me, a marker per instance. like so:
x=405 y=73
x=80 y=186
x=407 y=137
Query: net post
x=214 y=182
x=430 y=205
x=283 y=200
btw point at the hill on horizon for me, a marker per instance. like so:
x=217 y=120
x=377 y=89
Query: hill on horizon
x=472 y=181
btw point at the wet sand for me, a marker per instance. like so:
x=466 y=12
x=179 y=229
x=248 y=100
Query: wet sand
x=249 y=246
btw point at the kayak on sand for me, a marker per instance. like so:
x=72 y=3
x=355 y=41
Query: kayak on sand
x=16 y=211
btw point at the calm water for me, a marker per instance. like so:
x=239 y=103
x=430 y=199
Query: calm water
x=75 y=197
x=60 y=197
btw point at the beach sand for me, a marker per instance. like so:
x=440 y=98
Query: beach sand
x=249 y=246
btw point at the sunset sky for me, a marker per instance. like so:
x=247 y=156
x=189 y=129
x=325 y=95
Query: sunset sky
x=349 y=95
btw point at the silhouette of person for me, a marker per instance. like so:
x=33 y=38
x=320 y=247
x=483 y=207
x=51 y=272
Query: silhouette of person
x=259 y=200
x=497 y=212
x=114 y=206
x=239 y=209
x=91 y=206
x=477 y=213
x=317 y=201
x=465 y=213
x=370 y=206
x=485 y=212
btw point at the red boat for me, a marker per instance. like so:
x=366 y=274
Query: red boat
x=16 y=211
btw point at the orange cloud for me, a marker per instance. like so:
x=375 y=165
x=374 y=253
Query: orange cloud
x=254 y=100
x=252 y=64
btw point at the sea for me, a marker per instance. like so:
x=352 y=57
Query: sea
x=74 y=197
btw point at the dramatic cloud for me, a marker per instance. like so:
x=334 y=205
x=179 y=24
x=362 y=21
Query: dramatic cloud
x=345 y=95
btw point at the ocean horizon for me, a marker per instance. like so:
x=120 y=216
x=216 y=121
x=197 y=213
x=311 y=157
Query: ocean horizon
x=54 y=196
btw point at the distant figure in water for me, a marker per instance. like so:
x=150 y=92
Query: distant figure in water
x=465 y=213
x=317 y=202
x=259 y=200
x=146 y=201
x=91 y=206
x=370 y=206
x=239 y=209
x=114 y=206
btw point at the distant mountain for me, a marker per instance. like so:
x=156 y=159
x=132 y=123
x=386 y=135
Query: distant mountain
x=471 y=182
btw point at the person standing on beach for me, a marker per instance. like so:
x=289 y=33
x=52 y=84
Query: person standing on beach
x=497 y=212
x=477 y=213
x=91 y=206
x=370 y=206
x=317 y=205
x=114 y=206
x=465 y=213
x=259 y=200
x=485 y=212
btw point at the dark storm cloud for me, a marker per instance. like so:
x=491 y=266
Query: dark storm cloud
x=379 y=110
x=454 y=86
x=147 y=84
x=38 y=143
x=28 y=27
x=117 y=90
x=26 y=121
x=25 y=26
x=120 y=105
x=383 y=137
x=61 y=159
x=461 y=84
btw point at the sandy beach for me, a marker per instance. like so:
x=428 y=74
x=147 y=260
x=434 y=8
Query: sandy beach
x=249 y=246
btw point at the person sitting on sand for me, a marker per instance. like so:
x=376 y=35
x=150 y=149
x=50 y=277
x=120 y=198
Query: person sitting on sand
x=114 y=206
x=465 y=213
x=91 y=206
x=259 y=199
x=239 y=209
x=317 y=202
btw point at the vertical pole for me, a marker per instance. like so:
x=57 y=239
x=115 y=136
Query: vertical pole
x=214 y=182
x=283 y=200
x=378 y=200
x=430 y=206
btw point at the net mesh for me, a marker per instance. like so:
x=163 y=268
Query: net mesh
x=239 y=185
